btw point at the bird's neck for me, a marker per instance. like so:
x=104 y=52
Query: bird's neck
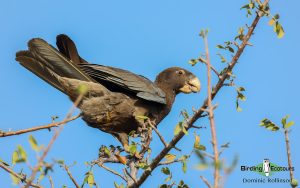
x=170 y=98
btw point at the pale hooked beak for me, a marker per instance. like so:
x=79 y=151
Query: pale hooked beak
x=193 y=85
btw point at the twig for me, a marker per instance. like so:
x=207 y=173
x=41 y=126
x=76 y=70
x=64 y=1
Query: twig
x=206 y=182
x=56 y=134
x=112 y=171
x=170 y=162
x=288 y=151
x=211 y=116
x=51 y=182
x=128 y=174
x=22 y=178
x=56 y=124
x=157 y=132
x=70 y=176
x=212 y=68
x=199 y=112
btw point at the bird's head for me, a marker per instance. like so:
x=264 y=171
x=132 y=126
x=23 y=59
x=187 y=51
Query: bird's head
x=179 y=80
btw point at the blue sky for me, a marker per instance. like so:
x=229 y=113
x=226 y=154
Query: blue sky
x=146 y=37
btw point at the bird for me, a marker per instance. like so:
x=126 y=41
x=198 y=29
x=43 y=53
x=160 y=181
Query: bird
x=115 y=98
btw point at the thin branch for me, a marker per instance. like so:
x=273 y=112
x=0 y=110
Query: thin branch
x=56 y=124
x=112 y=171
x=22 y=178
x=170 y=162
x=70 y=176
x=212 y=68
x=199 y=113
x=211 y=116
x=51 y=182
x=157 y=132
x=128 y=174
x=206 y=182
x=56 y=134
x=288 y=152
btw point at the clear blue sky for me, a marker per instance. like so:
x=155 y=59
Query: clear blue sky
x=145 y=37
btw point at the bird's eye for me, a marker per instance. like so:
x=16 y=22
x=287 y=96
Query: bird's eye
x=180 y=72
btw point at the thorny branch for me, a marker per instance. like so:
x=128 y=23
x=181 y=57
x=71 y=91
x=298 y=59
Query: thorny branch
x=199 y=113
x=48 y=126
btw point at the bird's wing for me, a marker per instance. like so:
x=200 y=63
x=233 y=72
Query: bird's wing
x=116 y=79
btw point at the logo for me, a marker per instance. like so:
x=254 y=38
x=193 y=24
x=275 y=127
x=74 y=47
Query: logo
x=267 y=171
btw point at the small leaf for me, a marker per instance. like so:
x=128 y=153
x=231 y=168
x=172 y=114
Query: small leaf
x=294 y=182
x=142 y=117
x=184 y=166
x=220 y=46
x=272 y=22
x=90 y=179
x=177 y=129
x=15 y=157
x=170 y=157
x=132 y=148
x=22 y=152
x=15 y=180
x=82 y=89
x=193 y=62
x=33 y=143
x=165 y=170
x=289 y=124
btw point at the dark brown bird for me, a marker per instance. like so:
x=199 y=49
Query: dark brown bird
x=115 y=97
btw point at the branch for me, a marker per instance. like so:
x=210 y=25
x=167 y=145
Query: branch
x=56 y=124
x=112 y=171
x=206 y=182
x=199 y=112
x=170 y=162
x=22 y=178
x=288 y=151
x=56 y=134
x=51 y=182
x=211 y=116
x=157 y=132
x=71 y=177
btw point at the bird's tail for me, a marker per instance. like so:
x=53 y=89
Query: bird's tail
x=49 y=64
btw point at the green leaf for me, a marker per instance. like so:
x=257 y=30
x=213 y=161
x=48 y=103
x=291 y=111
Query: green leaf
x=276 y=16
x=165 y=170
x=220 y=46
x=22 y=153
x=163 y=186
x=184 y=166
x=193 y=62
x=15 y=180
x=107 y=151
x=200 y=147
x=177 y=129
x=223 y=60
x=268 y=124
x=142 y=117
x=230 y=49
x=279 y=30
x=15 y=157
x=170 y=157
x=132 y=148
x=33 y=143
x=289 y=124
x=90 y=179
x=294 y=182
